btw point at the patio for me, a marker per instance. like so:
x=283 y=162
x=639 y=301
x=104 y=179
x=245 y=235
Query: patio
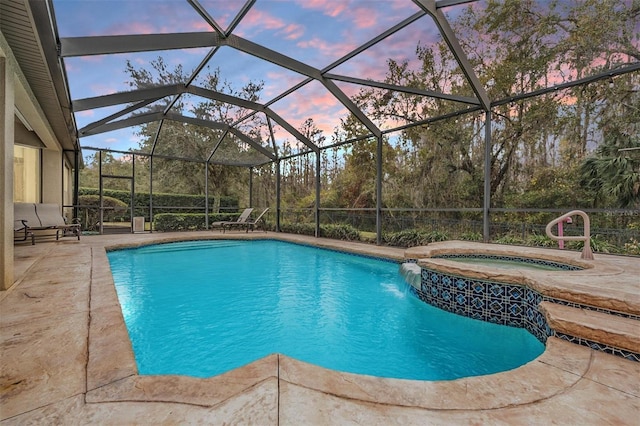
x=67 y=360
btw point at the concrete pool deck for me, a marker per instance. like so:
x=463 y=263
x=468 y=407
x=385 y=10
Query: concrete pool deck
x=66 y=359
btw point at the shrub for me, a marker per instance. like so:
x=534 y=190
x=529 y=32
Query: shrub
x=90 y=216
x=404 y=238
x=632 y=247
x=538 y=240
x=335 y=231
x=298 y=228
x=471 y=236
x=434 y=236
x=509 y=239
x=186 y=202
x=167 y=222
x=413 y=237
x=598 y=244
x=368 y=237
x=340 y=232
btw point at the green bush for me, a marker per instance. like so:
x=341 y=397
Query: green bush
x=632 y=247
x=509 y=239
x=298 y=228
x=335 y=231
x=167 y=222
x=413 y=237
x=598 y=244
x=471 y=236
x=186 y=203
x=538 y=240
x=90 y=216
x=340 y=232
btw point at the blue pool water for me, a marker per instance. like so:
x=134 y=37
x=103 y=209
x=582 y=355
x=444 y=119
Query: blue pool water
x=202 y=308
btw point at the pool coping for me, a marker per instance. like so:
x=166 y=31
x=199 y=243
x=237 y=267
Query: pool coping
x=67 y=359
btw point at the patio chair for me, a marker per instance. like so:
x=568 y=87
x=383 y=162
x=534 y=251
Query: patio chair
x=30 y=217
x=241 y=219
x=24 y=216
x=50 y=218
x=25 y=220
x=248 y=223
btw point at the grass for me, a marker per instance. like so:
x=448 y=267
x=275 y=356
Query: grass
x=368 y=237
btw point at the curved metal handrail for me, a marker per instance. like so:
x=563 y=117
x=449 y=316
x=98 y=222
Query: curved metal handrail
x=586 y=237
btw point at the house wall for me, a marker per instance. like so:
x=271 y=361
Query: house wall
x=52 y=176
x=6 y=176
x=15 y=93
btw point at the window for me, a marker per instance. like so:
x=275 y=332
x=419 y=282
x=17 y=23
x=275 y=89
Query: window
x=26 y=174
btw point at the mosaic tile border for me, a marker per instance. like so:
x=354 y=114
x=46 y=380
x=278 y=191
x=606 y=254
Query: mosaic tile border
x=631 y=356
x=528 y=260
x=591 y=308
x=572 y=304
x=507 y=304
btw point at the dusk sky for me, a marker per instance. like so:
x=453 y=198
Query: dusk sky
x=316 y=32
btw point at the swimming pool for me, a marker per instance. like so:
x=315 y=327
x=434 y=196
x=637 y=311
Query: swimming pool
x=204 y=308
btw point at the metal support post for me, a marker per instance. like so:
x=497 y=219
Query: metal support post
x=317 y=212
x=379 y=191
x=278 y=196
x=250 y=186
x=151 y=193
x=487 y=178
x=206 y=195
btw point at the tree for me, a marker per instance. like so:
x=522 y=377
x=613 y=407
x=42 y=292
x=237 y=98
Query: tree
x=111 y=165
x=613 y=173
x=182 y=140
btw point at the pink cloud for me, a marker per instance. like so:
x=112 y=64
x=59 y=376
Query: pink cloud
x=258 y=20
x=265 y=20
x=133 y=27
x=327 y=48
x=102 y=89
x=293 y=31
x=199 y=25
x=364 y=18
x=329 y=8
x=222 y=11
x=325 y=109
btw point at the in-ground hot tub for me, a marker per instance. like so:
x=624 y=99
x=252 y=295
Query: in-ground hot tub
x=494 y=283
x=503 y=261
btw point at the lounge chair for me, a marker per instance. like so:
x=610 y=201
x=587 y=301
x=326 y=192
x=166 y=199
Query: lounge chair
x=248 y=224
x=25 y=220
x=51 y=218
x=22 y=231
x=30 y=217
x=241 y=219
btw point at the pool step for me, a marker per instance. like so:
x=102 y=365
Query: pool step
x=603 y=328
